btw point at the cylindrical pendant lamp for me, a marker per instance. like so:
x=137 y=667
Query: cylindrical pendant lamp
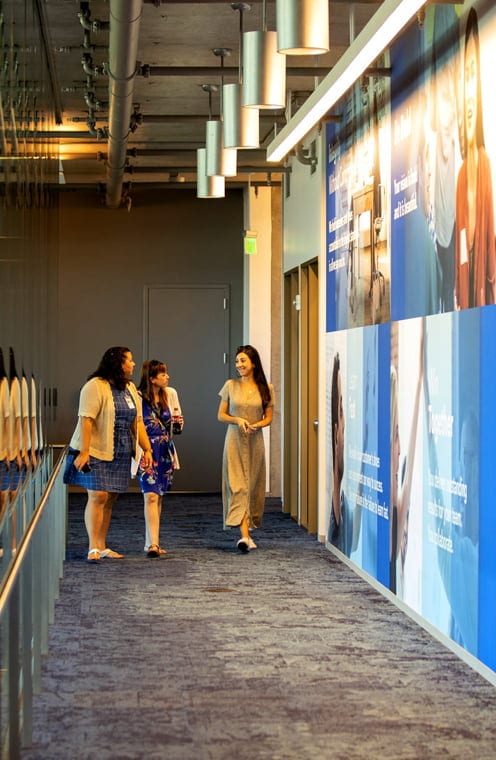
x=207 y=187
x=302 y=26
x=220 y=160
x=264 y=71
x=241 y=124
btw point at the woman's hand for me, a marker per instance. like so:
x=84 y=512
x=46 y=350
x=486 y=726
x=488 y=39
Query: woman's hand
x=243 y=425
x=255 y=427
x=82 y=459
x=146 y=459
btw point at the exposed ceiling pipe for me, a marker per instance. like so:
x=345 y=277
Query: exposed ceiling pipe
x=177 y=150
x=50 y=61
x=125 y=19
x=145 y=70
x=173 y=118
x=264 y=169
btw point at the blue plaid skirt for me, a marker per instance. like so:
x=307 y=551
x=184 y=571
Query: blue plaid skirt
x=113 y=476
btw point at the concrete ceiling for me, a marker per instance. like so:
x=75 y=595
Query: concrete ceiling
x=175 y=57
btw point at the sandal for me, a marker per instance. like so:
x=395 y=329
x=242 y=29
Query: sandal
x=110 y=554
x=153 y=551
x=161 y=549
x=93 y=556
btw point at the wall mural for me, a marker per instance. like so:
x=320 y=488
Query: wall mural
x=411 y=417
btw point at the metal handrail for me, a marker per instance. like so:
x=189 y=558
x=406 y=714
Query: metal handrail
x=28 y=592
x=14 y=570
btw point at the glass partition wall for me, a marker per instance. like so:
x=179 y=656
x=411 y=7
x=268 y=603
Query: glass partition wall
x=29 y=171
x=28 y=241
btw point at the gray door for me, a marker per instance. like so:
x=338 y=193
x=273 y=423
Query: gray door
x=187 y=326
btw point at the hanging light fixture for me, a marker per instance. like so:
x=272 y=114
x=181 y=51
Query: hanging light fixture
x=215 y=185
x=388 y=21
x=241 y=124
x=220 y=160
x=207 y=187
x=302 y=26
x=264 y=69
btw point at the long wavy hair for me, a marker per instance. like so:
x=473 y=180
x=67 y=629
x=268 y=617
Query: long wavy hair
x=150 y=370
x=335 y=402
x=110 y=367
x=258 y=373
x=472 y=30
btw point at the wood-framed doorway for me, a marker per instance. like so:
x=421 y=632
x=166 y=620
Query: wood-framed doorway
x=301 y=363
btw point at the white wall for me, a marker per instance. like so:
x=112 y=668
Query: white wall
x=257 y=285
x=304 y=210
x=257 y=273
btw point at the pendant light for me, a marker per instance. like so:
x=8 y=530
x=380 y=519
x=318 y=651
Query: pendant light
x=302 y=26
x=241 y=124
x=220 y=160
x=207 y=187
x=215 y=185
x=264 y=69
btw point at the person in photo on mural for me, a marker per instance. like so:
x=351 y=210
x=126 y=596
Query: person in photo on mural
x=163 y=418
x=475 y=271
x=458 y=521
x=401 y=492
x=246 y=407
x=108 y=430
x=444 y=124
x=340 y=532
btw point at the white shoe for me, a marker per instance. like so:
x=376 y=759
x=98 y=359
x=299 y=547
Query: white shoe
x=243 y=545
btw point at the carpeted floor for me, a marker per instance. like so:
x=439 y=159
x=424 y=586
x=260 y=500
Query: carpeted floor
x=208 y=654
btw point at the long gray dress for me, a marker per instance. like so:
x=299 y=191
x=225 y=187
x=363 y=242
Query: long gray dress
x=243 y=462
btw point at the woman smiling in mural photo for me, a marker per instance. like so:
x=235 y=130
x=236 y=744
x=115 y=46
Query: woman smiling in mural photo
x=475 y=271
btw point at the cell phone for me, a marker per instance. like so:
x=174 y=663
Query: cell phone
x=176 y=428
x=86 y=468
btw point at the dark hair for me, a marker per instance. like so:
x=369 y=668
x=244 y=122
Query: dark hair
x=149 y=370
x=110 y=367
x=258 y=373
x=472 y=30
x=334 y=401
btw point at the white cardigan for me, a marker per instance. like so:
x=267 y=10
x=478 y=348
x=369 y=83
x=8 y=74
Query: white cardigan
x=96 y=402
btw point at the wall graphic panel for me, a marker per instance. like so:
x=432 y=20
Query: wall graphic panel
x=358 y=447
x=411 y=409
x=358 y=209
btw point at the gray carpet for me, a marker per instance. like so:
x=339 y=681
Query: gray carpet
x=209 y=654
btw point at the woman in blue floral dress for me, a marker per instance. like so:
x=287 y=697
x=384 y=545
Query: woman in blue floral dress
x=162 y=415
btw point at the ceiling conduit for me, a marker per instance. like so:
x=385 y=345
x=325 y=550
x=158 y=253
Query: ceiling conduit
x=125 y=19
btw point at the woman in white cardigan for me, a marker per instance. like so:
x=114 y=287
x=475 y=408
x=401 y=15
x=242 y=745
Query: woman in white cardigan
x=109 y=427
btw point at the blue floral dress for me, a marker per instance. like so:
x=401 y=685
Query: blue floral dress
x=157 y=478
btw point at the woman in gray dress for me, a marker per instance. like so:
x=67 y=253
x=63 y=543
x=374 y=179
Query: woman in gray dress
x=246 y=407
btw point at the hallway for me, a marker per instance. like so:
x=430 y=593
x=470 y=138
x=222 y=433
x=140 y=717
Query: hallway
x=208 y=654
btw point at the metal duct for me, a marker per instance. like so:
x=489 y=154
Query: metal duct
x=125 y=21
